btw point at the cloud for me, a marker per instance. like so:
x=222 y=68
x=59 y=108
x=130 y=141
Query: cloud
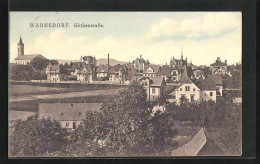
x=207 y=25
x=61 y=44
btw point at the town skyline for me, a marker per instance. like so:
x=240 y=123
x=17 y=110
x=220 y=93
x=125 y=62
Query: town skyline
x=158 y=40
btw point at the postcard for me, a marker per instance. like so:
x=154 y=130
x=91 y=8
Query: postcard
x=125 y=84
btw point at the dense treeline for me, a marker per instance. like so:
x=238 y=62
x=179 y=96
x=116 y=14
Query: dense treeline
x=223 y=115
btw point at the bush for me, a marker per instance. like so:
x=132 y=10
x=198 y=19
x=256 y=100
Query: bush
x=36 y=137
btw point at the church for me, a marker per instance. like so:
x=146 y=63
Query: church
x=24 y=59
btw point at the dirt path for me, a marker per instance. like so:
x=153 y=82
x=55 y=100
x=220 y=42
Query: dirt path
x=64 y=95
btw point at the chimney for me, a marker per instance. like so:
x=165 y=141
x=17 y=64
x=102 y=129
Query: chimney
x=225 y=61
x=218 y=59
x=140 y=56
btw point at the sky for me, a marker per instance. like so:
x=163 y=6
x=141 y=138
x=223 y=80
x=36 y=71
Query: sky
x=158 y=36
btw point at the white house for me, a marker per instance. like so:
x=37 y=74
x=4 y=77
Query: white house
x=70 y=115
x=154 y=86
x=192 y=91
x=53 y=73
x=151 y=70
x=86 y=74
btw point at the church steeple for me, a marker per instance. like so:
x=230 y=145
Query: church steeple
x=20 y=46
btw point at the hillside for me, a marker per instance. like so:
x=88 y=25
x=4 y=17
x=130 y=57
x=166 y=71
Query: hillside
x=112 y=62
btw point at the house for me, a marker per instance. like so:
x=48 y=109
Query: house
x=139 y=64
x=154 y=86
x=218 y=65
x=89 y=60
x=152 y=70
x=217 y=80
x=187 y=89
x=86 y=74
x=170 y=74
x=22 y=58
x=192 y=91
x=53 y=73
x=118 y=73
x=69 y=115
x=208 y=90
x=102 y=71
x=199 y=74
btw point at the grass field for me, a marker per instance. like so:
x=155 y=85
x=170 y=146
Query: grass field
x=23 y=89
x=33 y=104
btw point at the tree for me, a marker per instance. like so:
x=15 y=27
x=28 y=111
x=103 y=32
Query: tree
x=35 y=137
x=21 y=72
x=39 y=63
x=125 y=126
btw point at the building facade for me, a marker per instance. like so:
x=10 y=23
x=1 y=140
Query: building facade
x=154 y=86
x=69 y=115
x=53 y=73
x=219 y=65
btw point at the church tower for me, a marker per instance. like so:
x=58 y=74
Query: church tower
x=20 y=46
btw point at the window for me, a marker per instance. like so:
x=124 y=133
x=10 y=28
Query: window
x=153 y=90
x=205 y=94
x=74 y=125
x=194 y=89
x=61 y=113
x=67 y=124
x=180 y=89
x=191 y=97
x=174 y=97
x=211 y=93
x=79 y=113
x=187 y=88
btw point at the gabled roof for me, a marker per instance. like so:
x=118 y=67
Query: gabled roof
x=207 y=84
x=116 y=68
x=29 y=57
x=86 y=69
x=66 y=111
x=154 y=81
x=217 y=79
x=102 y=68
x=217 y=70
x=166 y=70
x=55 y=67
x=156 y=68
x=218 y=63
x=157 y=81
x=78 y=65
x=210 y=83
